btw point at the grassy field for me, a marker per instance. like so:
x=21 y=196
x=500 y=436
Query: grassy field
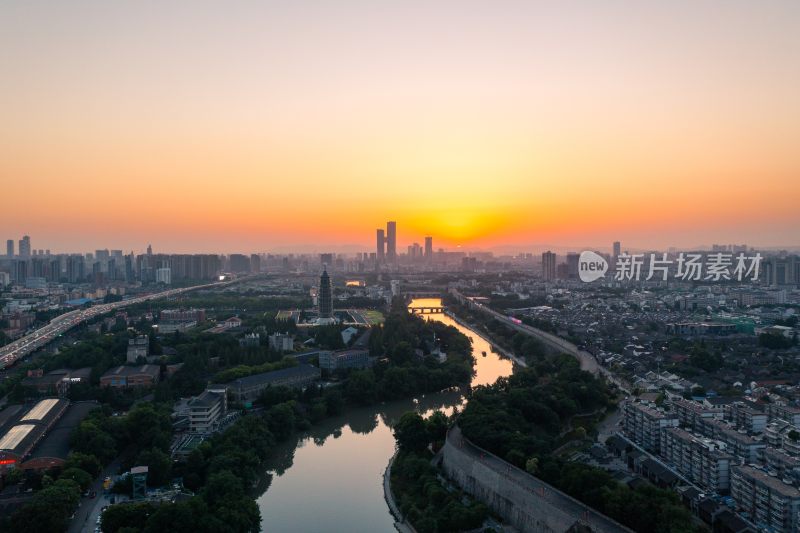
x=374 y=317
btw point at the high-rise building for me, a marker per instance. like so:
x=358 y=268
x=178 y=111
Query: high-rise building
x=75 y=269
x=129 y=272
x=54 y=272
x=429 y=248
x=381 y=245
x=326 y=259
x=255 y=263
x=617 y=249
x=548 y=266
x=239 y=263
x=325 y=296
x=10 y=247
x=573 y=261
x=164 y=275
x=25 y=246
x=102 y=257
x=391 y=242
x=20 y=271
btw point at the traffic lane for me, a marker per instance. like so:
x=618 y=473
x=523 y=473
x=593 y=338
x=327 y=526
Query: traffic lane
x=89 y=508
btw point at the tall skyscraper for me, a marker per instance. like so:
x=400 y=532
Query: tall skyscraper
x=10 y=247
x=25 y=246
x=429 y=249
x=380 y=242
x=325 y=296
x=549 y=266
x=391 y=242
x=617 y=248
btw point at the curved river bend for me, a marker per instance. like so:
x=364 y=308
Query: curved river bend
x=331 y=478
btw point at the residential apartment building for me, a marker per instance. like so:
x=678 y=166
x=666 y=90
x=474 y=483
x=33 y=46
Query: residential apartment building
x=745 y=417
x=767 y=499
x=738 y=442
x=783 y=465
x=643 y=424
x=702 y=461
x=788 y=413
x=690 y=413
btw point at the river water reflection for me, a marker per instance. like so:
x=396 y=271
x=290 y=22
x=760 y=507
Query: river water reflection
x=330 y=478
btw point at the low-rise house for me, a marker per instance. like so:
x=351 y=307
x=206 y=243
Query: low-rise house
x=207 y=409
x=248 y=388
x=342 y=359
x=232 y=322
x=131 y=376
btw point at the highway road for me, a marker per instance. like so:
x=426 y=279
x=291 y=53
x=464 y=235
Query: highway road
x=24 y=346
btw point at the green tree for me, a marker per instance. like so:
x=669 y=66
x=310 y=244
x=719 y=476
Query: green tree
x=49 y=510
x=81 y=477
x=532 y=465
x=361 y=387
x=411 y=432
x=126 y=515
x=159 y=466
x=402 y=353
x=437 y=424
x=86 y=462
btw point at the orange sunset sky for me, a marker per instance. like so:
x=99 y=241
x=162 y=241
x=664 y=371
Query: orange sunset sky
x=256 y=126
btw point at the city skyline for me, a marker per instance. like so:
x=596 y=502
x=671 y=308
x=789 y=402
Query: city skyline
x=431 y=246
x=479 y=127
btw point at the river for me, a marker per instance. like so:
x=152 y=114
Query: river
x=330 y=478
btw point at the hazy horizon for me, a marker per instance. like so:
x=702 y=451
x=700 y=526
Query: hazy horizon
x=353 y=248
x=198 y=126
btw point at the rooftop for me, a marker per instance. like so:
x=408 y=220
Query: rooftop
x=772 y=482
x=11 y=441
x=206 y=399
x=56 y=444
x=132 y=370
x=276 y=375
x=40 y=410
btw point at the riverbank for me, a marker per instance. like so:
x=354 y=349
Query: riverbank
x=401 y=524
x=475 y=329
x=336 y=466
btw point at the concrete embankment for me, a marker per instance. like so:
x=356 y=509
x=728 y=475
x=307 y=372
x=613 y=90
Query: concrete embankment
x=522 y=500
x=401 y=524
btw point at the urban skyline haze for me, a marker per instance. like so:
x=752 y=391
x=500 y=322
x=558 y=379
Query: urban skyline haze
x=199 y=127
